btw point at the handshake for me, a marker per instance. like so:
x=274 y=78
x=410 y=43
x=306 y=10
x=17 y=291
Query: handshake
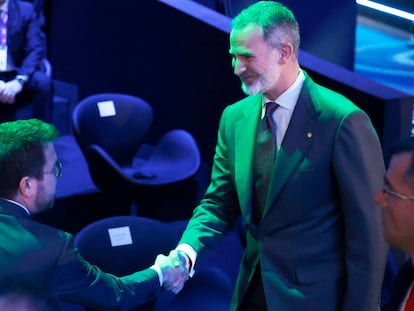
x=175 y=270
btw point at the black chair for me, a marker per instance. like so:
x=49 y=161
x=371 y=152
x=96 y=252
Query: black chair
x=209 y=289
x=110 y=130
x=122 y=245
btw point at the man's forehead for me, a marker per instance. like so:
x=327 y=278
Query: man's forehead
x=50 y=150
x=244 y=40
x=246 y=32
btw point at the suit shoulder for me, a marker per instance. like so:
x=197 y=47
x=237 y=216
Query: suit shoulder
x=243 y=105
x=46 y=231
x=333 y=102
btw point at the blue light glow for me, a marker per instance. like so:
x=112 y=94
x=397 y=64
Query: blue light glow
x=386 y=9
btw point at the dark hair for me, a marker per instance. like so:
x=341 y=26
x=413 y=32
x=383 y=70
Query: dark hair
x=406 y=145
x=278 y=23
x=22 y=146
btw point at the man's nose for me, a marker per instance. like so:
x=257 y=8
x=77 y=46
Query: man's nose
x=238 y=67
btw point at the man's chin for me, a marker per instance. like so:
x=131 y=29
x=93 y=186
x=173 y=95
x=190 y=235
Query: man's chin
x=251 y=89
x=48 y=206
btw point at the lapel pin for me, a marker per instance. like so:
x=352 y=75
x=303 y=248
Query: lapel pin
x=309 y=134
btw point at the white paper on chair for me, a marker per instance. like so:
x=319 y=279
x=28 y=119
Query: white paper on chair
x=106 y=108
x=120 y=236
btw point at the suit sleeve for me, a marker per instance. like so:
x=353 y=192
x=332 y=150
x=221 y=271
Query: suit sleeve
x=359 y=167
x=77 y=281
x=35 y=42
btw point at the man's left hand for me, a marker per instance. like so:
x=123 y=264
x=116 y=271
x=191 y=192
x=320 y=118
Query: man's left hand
x=9 y=90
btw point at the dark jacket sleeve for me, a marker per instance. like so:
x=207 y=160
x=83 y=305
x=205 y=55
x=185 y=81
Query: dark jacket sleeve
x=79 y=282
x=26 y=39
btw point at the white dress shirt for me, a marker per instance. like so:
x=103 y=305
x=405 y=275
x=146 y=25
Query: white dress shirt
x=287 y=103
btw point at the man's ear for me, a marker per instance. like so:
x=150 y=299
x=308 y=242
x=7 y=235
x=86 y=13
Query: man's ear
x=286 y=52
x=27 y=187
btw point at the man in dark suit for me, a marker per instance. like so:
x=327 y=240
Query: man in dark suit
x=25 y=88
x=397 y=201
x=41 y=256
x=313 y=233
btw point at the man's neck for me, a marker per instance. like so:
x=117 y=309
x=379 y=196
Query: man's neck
x=287 y=78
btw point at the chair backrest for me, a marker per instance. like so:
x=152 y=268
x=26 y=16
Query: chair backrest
x=115 y=122
x=108 y=176
x=124 y=244
x=209 y=289
x=175 y=158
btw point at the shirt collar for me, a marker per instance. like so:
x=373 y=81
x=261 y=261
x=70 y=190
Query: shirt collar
x=289 y=97
x=17 y=203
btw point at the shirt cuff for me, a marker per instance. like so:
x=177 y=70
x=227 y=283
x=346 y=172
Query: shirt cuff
x=159 y=272
x=191 y=253
x=22 y=79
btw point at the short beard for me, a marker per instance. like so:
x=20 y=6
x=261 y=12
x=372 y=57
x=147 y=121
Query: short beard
x=263 y=84
x=255 y=88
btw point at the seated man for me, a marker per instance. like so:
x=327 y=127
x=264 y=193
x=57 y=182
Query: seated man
x=397 y=200
x=39 y=255
x=25 y=89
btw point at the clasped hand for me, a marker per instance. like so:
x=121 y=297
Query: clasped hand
x=9 y=90
x=175 y=270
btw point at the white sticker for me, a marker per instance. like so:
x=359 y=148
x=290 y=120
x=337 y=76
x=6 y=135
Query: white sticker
x=120 y=236
x=106 y=109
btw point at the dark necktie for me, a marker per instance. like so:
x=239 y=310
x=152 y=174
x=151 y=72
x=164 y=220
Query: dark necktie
x=264 y=158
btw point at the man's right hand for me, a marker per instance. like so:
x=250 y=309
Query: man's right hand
x=174 y=272
x=9 y=90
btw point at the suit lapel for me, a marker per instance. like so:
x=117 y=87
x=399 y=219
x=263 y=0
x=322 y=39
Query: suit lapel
x=297 y=140
x=245 y=137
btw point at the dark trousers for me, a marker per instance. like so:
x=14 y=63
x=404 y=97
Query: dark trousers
x=34 y=101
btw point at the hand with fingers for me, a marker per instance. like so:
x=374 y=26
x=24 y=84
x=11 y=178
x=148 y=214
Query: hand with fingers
x=9 y=90
x=174 y=271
